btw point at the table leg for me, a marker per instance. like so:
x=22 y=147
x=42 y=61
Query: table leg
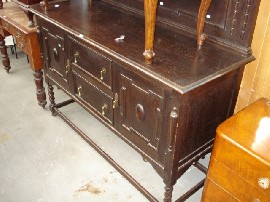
x=150 y=9
x=40 y=90
x=201 y=37
x=4 y=55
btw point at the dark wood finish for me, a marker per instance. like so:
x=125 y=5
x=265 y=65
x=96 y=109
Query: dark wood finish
x=14 y=21
x=240 y=161
x=5 y=58
x=167 y=111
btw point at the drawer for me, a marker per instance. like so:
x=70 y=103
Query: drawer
x=92 y=96
x=234 y=184
x=96 y=65
x=18 y=34
x=240 y=160
x=22 y=44
x=214 y=193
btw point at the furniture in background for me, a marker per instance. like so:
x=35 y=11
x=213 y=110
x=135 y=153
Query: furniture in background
x=167 y=111
x=13 y=21
x=239 y=168
x=24 y=4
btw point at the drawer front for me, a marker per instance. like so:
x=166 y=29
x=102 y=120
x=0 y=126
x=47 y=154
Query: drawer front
x=241 y=161
x=96 y=65
x=214 y=193
x=18 y=34
x=234 y=184
x=93 y=97
x=22 y=44
x=140 y=112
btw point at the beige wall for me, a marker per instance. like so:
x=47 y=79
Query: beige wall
x=256 y=78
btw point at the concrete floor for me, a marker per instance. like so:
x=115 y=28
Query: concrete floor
x=43 y=160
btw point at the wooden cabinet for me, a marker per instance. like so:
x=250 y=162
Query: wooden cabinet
x=167 y=111
x=240 y=161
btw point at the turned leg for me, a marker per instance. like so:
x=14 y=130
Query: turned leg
x=52 y=99
x=201 y=37
x=40 y=90
x=150 y=9
x=4 y=55
x=168 y=194
x=1 y=4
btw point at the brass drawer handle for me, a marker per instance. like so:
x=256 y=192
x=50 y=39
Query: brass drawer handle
x=79 y=91
x=6 y=26
x=264 y=182
x=103 y=109
x=115 y=101
x=76 y=56
x=18 y=35
x=21 y=45
x=102 y=74
x=67 y=66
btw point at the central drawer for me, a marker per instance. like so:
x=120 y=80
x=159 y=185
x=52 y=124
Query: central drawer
x=94 y=64
x=92 y=96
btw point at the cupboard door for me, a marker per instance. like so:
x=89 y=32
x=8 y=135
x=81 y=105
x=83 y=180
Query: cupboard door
x=139 y=114
x=54 y=54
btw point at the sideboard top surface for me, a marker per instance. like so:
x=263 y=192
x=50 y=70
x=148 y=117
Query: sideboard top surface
x=178 y=63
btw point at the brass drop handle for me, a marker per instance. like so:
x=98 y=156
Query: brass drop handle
x=6 y=26
x=79 y=91
x=20 y=45
x=67 y=66
x=76 y=56
x=115 y=101
x=103 y=109
x=18 y=35
x=102 y=74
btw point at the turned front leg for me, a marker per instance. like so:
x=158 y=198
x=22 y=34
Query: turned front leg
x=168 y=194
x=40 y=90
x=52 y=99
x=4 y=55
x=201 y=37
x=150 y=10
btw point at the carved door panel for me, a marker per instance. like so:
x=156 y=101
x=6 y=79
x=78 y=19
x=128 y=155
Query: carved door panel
x=54 y=53
x=139 y=114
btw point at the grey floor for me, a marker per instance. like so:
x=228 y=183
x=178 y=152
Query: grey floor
x=43 y=160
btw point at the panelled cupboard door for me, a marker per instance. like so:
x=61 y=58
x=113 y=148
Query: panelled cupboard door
x=140 y=111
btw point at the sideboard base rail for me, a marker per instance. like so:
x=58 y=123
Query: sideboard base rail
x=119 y=168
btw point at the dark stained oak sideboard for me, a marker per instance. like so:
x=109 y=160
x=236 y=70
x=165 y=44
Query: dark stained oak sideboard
x=167 y=111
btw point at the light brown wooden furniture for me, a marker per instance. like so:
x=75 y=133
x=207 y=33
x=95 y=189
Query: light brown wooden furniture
x=14 y=22
x=240 y=163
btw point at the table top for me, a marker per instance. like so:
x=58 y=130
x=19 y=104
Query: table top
x=12 y=13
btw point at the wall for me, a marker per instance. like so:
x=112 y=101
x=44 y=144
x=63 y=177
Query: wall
x=256 y=78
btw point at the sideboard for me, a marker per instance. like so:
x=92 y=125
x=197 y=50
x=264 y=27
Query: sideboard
x=168 y=110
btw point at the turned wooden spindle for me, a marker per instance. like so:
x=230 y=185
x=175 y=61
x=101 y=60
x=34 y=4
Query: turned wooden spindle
x=201 y=37
x=150 y=9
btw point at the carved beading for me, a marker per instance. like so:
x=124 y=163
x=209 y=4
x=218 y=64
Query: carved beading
x=244 y=26
x=234 y=19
